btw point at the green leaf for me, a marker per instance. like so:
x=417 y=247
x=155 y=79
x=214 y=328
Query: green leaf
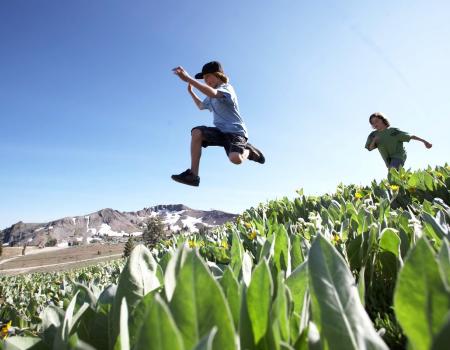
x=442 y=340
x=390 y=241
x=259 y=296
x=237 y=251
x=22 y=343
x=230 y=287
x=139 y=277
x=421 y=300
x=444 y=263
x=280 y=310
x=247 y=264
x=337 y=309
x=137 y=318
x=159 y=331
x=362 y=287
x=245 y=325
x=282 y=247
x=172 y=270
x=206 y=343
x=297 y=283
x=296 y=251
x=123 y=340
x=198 y=304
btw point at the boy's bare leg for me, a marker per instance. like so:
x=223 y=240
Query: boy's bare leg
x=196 y=150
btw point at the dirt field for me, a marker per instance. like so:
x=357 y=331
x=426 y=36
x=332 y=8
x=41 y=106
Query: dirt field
x=12 y=261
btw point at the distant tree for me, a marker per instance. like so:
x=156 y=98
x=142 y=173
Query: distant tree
x=153 y=232
x=129 y=246
x=203 y=231
x=51 y=242
x=24 y=248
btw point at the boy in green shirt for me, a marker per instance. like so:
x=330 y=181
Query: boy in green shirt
x=389 y=141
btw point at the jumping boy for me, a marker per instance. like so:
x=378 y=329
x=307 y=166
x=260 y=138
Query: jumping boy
x=229 y=130
x=389 y=141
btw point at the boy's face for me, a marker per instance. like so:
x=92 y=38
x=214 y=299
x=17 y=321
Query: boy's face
x=377 y=123
x=211 y=80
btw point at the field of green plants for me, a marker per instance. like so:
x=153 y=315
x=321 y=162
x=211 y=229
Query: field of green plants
x=362 y=268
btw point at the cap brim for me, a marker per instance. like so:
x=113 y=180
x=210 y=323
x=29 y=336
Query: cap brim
x=199 y=76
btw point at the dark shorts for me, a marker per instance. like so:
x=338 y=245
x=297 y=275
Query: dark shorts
x=396 y=163
x=230 y=142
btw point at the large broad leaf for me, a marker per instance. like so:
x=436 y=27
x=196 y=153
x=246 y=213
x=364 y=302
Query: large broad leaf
x=259 y=297
x=207 y=341
x=237 y=251
x=172 y=269
x=198 y=304
x=279 y=313
x=123 y=340
x=139 y=315
x=159 y=331
x=297 y=283
x=230 y=287
x=296 y=251
x=390 y=242
x=140 y=276
x=444 y=262
x=421 y=300
x=337 y=310
x=23 y=343
x=442 y=340
x=282 y=247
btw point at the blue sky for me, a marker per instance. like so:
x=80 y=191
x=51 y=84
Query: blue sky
x=92 y=117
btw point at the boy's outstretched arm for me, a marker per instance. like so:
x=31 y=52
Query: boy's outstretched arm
x=426 y=143
x=207 y=90
x=195 y=98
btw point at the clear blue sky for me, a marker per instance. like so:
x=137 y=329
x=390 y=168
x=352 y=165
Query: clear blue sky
x=92 y=117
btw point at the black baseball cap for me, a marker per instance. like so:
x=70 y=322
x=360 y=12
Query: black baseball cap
x=210 y=67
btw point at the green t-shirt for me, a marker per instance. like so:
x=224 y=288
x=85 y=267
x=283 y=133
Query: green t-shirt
x=390 y=143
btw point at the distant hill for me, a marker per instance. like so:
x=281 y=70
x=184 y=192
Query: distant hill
x=112 y=223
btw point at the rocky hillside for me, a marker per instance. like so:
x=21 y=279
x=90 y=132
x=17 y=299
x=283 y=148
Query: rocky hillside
x=110 y=222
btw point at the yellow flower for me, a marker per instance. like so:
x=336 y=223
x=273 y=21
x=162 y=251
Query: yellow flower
x=439 y=174
x=224 y=244
x=358 y=195
x=394 y=187
x=248 y=225
x=192 y=244
x=4 y=330
x=252 y=235
x=336 y=239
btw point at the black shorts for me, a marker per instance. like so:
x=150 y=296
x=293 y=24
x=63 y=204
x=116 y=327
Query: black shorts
x=230 y=142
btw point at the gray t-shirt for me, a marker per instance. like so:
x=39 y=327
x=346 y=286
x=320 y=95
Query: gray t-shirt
x=226 y=111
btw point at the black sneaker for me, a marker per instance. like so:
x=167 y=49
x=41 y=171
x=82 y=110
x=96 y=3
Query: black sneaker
x=187 y=178
x=255 y=154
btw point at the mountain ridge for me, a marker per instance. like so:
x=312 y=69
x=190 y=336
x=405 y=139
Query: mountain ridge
x=108 y=222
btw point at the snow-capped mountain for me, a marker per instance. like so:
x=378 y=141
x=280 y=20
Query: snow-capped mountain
x=109 y=222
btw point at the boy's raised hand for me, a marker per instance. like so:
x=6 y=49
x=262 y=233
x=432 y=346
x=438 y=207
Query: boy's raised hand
x=182 y=74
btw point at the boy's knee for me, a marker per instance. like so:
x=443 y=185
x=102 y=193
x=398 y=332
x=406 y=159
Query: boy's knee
x=235 y=158
x=196 y=133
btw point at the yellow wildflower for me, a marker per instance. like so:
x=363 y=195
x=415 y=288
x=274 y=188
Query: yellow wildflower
x=358 y=195
x=394 y=187
x=248 y=225
x=192 y=244
x=4 y=330
x=439 y=174
x=252 y=235
x=336 y=239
